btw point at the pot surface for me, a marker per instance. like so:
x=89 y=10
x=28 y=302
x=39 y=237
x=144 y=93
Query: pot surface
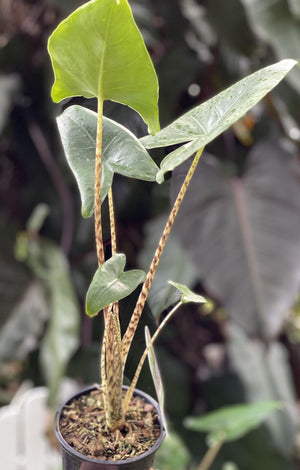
x=73 y=460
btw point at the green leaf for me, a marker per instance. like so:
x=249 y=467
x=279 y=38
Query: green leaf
x=49 y=264
x=62 y=335
x=98 y=51
x=121 y=153
x=232 y=422
x=187 y=294
x=110 y=283
x=22 y=331
x=204 y=123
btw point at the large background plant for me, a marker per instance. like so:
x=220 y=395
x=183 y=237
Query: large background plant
x=214 y=49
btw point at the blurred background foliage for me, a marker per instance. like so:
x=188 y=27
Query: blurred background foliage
x=237 y=239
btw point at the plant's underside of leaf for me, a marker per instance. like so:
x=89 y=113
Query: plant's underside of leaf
x=204 y=123
x=98 y=51
x=122 y=153
x=266 y=377
x=111 y=283
x=243 y=236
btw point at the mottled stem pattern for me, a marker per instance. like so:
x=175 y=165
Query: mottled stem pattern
x=114 y=373
x=113 y=235
x=129 y=334
x=98 y=162
x=111 y=364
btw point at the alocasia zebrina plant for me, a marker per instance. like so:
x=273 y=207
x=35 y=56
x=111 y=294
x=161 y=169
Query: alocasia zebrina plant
x=99 y=52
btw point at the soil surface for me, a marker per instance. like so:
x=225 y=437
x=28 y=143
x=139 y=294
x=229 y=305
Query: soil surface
x=83 y=426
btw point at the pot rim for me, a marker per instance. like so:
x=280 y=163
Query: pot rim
x=74 y=452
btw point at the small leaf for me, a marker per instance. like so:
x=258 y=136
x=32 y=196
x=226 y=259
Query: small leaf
x=204 y=123
x=98 y=51
x=127 y=156
x=232 y=422
x=187 y=294
x=111 y=283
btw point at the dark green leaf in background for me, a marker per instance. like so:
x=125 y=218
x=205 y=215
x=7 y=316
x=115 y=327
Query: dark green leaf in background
x=62 y=336
x=61 y=339
x=243 y=235
x=273 y=22
x=232 y=422
x=21 y=333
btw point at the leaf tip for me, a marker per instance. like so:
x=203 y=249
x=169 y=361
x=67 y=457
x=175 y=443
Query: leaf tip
x=160 y=177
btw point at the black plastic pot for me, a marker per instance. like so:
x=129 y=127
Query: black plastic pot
x=73 y=460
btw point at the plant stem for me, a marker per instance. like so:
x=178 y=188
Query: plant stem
x=145 y=353
x=114 y=373
x=113 y=236
x=112 y=222
x=98 y=218
x=210 y=456
x=129 y=334
x=111 y=363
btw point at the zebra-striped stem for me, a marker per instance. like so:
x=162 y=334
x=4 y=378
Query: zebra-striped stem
x=129 y=334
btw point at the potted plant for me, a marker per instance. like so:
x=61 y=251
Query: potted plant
x=99 y=52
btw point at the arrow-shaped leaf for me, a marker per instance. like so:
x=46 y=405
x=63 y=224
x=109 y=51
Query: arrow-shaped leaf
x=121 y=153
x=111 y=283
x=187 y=294
x=232 y=422
x=204 y=123
x=98 y=51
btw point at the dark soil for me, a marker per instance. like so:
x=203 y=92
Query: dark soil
x=83 y=426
